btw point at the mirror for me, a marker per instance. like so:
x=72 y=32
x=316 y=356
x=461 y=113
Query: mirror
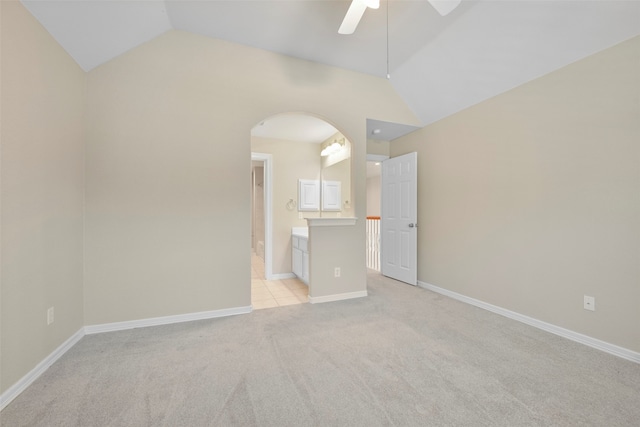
x=336 y=176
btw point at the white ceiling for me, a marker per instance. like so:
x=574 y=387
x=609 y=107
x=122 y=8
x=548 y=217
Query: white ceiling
x=387 y=131
x=438 y=65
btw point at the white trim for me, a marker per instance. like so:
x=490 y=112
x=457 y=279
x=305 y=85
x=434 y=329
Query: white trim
x=337 y=297
x=330 y=222
x=13 y=391
x=165 y=320
x=267 y=159
x=548 y=327
x=24 y=382
x=280 y=276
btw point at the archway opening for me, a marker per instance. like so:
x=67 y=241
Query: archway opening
x=292 y=163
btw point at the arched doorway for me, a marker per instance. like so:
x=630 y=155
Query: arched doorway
x=286 y=149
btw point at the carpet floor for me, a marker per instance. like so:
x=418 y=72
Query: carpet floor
x=403 y=356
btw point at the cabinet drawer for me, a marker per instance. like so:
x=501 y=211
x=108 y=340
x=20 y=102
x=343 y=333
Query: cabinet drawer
x=302 y=244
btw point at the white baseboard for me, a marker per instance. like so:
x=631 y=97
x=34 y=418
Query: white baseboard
x=281 y=276
x=24 y=382
x=337 y=297
x=557 y=330
x=13 y=391
x=165 y=320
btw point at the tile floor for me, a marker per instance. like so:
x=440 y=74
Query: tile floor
x=274 y=293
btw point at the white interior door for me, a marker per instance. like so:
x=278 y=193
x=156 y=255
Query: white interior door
x=398 y=219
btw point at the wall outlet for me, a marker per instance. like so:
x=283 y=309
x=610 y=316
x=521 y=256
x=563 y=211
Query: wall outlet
x=50 y=316
x=589 y=303
x=299 y=215
x=336 y=272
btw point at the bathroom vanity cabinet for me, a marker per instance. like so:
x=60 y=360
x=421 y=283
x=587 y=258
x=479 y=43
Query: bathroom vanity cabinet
x=300 y=255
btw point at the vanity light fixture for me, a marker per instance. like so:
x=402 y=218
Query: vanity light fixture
x=332 y=148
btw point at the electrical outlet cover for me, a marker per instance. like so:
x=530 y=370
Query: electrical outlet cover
x=589 y=303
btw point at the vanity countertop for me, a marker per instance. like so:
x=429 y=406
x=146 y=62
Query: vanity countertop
x=300 y=232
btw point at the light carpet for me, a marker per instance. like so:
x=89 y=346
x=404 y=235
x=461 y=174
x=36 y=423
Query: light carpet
x=403 y=356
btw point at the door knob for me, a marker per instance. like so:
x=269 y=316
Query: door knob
x=410 y=225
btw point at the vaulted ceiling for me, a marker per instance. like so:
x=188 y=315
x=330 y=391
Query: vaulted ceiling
x=438 y=65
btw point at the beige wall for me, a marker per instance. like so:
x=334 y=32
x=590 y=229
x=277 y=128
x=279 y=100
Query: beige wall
x=291 y=161
x=530 y=200
x=380 y=148
x=374 y=191
x=168 y=157
x=42 y=105
x=322 y=282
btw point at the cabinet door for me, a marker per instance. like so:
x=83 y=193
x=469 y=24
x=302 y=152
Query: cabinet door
x=305 y=267
x=296 y=262
x=331 y=196
x=308 y=195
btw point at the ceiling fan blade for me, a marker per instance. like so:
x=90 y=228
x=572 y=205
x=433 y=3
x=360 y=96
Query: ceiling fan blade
x=352 y=18
x=357 y=8
x=373 y=4
x=444 y=7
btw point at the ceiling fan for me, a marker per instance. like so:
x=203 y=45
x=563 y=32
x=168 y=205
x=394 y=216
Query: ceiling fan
x=357 y=8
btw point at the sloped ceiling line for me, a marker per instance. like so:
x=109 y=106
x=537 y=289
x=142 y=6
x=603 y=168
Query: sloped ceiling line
x=439 y=65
